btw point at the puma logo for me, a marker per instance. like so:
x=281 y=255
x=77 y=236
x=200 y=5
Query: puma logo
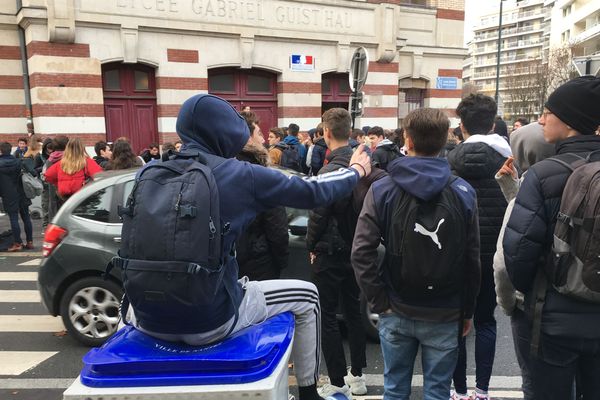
x=433 y=235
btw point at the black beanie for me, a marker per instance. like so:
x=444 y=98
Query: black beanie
x=577 y=104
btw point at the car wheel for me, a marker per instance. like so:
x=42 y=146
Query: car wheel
x=90 y=310
x=370 y=320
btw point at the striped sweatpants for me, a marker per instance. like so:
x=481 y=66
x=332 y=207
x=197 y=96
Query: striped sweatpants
x=264 y=299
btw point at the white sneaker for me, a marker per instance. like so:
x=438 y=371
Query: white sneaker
x=358 y=385
x=328 y=389
x=456 y=396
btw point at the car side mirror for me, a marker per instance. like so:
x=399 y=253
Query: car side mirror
x=298 y=226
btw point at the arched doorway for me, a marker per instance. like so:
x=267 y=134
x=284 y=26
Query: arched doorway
x=335 y=91
x=130 y=103
x=241 y=88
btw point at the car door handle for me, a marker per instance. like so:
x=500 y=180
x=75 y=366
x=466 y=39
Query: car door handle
x=117 y=239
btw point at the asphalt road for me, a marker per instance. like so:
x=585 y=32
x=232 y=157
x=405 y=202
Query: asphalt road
x=38 y=360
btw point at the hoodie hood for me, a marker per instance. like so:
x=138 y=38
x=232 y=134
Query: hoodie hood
x=210 y=124
x=422 y=177
x=385 y=142
x=493 y=140
x=529 y=146
x=476 y=159
x=55 y=156
x=293 y=140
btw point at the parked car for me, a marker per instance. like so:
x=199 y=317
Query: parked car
x=86 y=234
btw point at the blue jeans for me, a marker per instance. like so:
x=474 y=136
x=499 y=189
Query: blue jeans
x=485 y=337
x=14 y=224
x=400 y=340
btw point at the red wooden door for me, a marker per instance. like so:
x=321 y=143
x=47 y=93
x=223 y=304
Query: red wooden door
x=254 y=88
x=130 y=104
x=335 y=91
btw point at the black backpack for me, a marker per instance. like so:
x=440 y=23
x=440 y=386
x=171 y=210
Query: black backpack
x=290 y=156
x=424 y=245
x=171 y=252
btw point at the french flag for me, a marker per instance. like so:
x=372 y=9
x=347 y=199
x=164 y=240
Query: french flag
x=301 y=59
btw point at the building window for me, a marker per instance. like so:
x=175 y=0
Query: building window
x=567 y=10
x=566 y=35
x=112 y=80
x=223 y=83
x=415 y=98
x=142 y=81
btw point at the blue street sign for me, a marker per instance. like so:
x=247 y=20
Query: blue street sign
x=445 y=82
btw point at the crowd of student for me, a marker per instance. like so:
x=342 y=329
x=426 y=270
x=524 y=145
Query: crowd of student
x=63 y=167
x=501 y=232
x=466 y=217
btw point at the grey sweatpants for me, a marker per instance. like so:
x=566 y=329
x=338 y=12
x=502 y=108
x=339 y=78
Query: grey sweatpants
x=262 y=300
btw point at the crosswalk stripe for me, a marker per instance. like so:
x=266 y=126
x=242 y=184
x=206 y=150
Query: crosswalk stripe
x=501 y=382
x=30 y=323
x=17 y=362
x=35 y=261
x=37 y=383
x=19 y=296
x=18 y=276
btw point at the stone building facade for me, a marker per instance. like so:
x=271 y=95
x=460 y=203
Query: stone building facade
x=99 y=70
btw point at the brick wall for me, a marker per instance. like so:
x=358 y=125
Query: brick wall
x=66 y=91
x=13 y=112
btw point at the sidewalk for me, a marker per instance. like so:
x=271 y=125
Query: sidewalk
x=38 y=238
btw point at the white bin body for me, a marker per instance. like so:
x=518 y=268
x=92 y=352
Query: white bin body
x=274 y=387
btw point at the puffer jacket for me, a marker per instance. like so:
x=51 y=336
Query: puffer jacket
x=69 y=184
x=528 y=239
x=262 y=249
x=323 y=235
x=477 y=163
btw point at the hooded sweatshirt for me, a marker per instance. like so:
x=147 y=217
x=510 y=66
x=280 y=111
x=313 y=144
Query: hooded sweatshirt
x=293 y=141
x=423 y=178
x=210 y=125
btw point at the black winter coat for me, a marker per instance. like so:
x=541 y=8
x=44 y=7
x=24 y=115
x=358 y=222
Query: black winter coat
x=528 y=239
x=477 y=163
x=323 y=236
x=11 y=188
x=262 y=250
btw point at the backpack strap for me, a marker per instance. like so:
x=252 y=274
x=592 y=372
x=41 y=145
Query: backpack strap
x=540 y=287
x=571 y=161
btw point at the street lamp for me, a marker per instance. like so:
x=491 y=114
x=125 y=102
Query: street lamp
x=498 y=56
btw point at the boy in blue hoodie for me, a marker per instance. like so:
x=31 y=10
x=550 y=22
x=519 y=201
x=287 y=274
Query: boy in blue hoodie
x=211 y=126
x=437 y=315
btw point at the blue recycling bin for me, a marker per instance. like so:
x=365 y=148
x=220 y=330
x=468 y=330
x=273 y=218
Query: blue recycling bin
x=253 y=361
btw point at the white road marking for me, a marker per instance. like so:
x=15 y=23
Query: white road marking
x=18 y=276
x=500 y=382
x=30 y=323
x=34 y=262
x=17 y=362
x=19 y=296
x=35 y=383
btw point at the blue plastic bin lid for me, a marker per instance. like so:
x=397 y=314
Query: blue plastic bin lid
x=132 y=358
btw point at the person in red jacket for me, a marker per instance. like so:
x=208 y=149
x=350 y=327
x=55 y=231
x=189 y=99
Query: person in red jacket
x=73 y=170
